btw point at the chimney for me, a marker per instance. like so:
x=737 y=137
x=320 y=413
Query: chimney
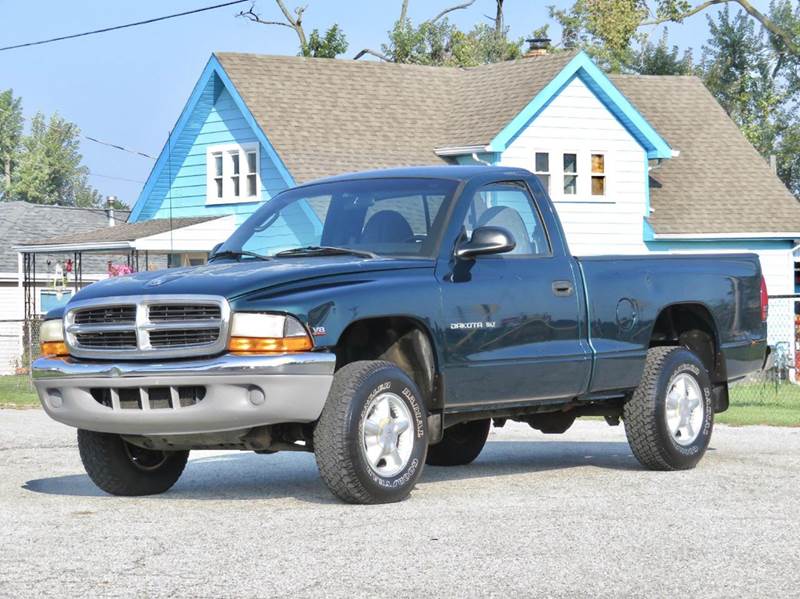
x=537 y=46
x=110 y=210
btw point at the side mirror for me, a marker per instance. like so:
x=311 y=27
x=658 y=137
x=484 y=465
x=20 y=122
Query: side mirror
x=486 y=240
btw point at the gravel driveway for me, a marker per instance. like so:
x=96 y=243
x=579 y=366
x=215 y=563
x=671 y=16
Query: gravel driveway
x=569 y=515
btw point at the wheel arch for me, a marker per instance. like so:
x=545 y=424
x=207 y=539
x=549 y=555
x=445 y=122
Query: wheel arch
x=404 y=340
x=692 y=325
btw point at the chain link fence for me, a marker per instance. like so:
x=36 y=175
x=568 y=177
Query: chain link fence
x=19 y=346
x=778 y=384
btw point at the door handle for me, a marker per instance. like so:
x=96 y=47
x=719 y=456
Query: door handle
x=563 y=288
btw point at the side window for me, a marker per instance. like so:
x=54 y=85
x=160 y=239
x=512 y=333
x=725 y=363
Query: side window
x=510 y=206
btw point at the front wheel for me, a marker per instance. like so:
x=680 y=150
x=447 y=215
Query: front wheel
x=670 y=417
x=120 y=468
x=371 y=439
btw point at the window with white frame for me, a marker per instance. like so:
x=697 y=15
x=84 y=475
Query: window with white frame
x=541 y=168
x=233 y=174
x=570 y=174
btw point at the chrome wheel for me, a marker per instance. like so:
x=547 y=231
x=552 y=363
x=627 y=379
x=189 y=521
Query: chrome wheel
x=387 y=438
x=684 y=409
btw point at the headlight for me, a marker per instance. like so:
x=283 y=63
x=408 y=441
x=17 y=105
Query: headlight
x=267 y=334
x=51 y=338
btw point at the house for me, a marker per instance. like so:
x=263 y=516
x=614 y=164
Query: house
x=634 y=164
x=53 y=282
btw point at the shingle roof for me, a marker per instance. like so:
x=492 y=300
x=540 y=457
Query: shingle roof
x=122 y=233
x=22 y=223
x=325 y=117
x=718 y=183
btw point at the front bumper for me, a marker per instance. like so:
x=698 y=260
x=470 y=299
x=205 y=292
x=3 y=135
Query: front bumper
x=239 y=392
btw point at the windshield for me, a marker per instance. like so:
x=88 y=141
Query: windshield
x=389 y=217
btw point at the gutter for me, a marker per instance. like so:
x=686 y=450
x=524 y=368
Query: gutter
x=462 y=150
x=73 y=247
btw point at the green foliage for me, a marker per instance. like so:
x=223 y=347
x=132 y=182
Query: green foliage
x=756 y=82
x=48 y=168
x=441 y=43
x=330 y=45
x=659 y=58
x=11 y=122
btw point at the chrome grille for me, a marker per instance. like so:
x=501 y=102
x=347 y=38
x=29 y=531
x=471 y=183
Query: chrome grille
x=110 y=315
x=144 y=326
x=110 y=339
x=183 y=337
x=178 y=312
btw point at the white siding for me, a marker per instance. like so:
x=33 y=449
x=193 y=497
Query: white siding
x=577 y=122
x=11 y=309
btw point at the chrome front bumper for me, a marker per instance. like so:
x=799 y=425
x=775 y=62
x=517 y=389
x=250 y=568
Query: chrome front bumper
x=240 y=392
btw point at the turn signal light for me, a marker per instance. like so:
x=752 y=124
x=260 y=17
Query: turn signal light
x=269 y=345
x=54 y=348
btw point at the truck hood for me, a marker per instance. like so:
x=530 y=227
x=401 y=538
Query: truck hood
x=234 y=279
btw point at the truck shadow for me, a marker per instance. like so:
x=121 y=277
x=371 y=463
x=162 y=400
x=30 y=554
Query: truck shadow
x=248 y=476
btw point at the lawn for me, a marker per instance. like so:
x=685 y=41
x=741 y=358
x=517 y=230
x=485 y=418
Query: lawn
x=763 y=403
x=16 y=391
x=751 y=403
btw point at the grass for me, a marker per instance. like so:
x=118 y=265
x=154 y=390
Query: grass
x=751 y=403
x=763 y=403
x=17 y=392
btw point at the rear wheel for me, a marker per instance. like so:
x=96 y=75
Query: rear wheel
x=120 y=468
x=670 y=417
x=460 y=445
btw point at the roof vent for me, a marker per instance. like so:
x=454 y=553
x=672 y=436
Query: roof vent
x=537 y=46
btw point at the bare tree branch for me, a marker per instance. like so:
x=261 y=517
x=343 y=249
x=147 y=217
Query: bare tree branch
x=374 y=53
x=295 y=23
x=768 y=24
x=451 y=9
x=403 y=11
x=499 y=23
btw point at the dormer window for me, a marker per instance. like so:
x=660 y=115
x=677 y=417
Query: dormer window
x=232 y=174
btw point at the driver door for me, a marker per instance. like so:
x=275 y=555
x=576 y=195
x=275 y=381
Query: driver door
x=512 y=319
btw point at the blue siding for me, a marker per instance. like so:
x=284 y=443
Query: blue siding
x=180 y=188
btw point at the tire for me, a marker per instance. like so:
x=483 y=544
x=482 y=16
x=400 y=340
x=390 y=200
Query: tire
x=351 y=438
x=460 y=445
x=119 y=468
x=651 y=427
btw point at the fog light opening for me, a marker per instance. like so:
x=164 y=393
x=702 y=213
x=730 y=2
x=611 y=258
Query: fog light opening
x=54 y=398
x=256 y=396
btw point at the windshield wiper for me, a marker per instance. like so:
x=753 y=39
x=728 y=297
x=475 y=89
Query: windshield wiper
x=325 y=250
x=239 y=254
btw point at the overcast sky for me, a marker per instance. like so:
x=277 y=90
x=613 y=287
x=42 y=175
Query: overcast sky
x=127 y=87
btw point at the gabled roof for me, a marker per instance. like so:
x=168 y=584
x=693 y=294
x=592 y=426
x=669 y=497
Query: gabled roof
x=718 y=184
x=22 y=223
x=326 y=116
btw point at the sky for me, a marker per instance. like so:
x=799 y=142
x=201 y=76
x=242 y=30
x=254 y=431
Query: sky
x=128 y=87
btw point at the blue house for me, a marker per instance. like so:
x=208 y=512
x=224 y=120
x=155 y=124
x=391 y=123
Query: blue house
x=634 y=164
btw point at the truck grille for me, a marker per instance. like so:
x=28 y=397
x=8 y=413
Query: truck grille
x=141 y=327
x=149 y=398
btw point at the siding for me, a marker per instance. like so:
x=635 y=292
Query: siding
x=182 y=183
x=577 y=121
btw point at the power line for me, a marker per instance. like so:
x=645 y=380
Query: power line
x=114 y=28
x=118 y=147
x=91 y=174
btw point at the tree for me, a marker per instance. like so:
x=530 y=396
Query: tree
x=48 y=169
x=328 y=45
x=11 y=122
x=757 y=83
x=659 y=58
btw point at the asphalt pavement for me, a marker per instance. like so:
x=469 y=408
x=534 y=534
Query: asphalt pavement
x=536 y=515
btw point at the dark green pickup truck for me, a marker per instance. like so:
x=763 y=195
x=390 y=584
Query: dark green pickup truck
x=419 y=306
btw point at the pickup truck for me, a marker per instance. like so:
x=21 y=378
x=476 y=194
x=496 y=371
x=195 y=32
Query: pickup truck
x=383 y=321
